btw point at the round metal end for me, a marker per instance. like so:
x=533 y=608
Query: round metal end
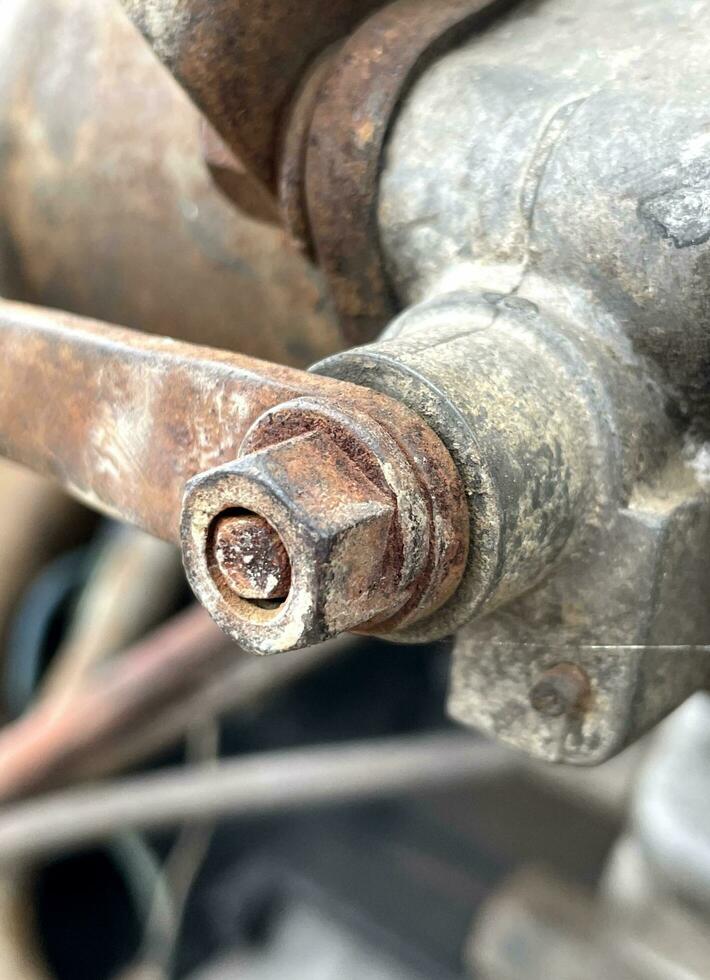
x=250 y=555
x=561 y=690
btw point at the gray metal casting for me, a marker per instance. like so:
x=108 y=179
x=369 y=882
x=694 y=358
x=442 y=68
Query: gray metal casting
x=545 y=213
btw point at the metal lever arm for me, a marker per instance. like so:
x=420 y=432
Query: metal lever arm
x=124 y=419
x=357 y=491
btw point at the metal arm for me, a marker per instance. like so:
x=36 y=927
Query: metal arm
x=374 y=528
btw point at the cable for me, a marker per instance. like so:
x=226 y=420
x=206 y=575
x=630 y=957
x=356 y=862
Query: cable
x=262 y=783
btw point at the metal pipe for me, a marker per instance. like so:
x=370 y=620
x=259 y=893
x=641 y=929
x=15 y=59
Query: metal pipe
x=241 y=60
x=271 y=782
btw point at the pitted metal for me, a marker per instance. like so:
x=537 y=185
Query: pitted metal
x=172 y=437
x=528 y=173
x=358 y=94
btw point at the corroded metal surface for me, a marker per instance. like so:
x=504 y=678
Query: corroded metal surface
x=367 y=500
x=318 y=141
x=568 y=194
x=108 y=209
x=251 y=556
x=365 y=81
x=562 y=689
x=241 y=60
x=363 y=501
x=558 y=345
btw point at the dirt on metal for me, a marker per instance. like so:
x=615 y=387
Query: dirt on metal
x=360 y=93
x=169 y=436
x=250 y=554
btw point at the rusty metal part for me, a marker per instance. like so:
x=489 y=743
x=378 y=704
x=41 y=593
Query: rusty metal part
x=245 y=68
x=365 y=544
x=366 y=80
x=290 y=183
x=561 y=690
x=251 y=556
x=233 y=180
x=348 y=562
x=365 y=497
x=107 y=208
x=241 y=60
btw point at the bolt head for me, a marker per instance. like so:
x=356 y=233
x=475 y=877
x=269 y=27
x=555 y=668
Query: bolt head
x=334 y=525
x=561 y=690
x=251 y=556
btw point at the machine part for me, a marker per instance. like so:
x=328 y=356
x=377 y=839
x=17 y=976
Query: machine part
x=631 y=689
x=561 y=690
x=264 y=783
x=359 y=92
x=558 y=334
x=250 y=556
x=525 y=408
x=143 y=416
x=225 y=55
x=241 y=61
x=537 y=348
x=108 y=209
x=524 y=164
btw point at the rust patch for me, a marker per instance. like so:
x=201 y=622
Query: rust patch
x=357 y=100
x=241 y=60
x=251 y=556
x=364 y=496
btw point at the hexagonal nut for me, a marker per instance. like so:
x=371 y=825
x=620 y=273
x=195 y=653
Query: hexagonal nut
x=334 y=524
